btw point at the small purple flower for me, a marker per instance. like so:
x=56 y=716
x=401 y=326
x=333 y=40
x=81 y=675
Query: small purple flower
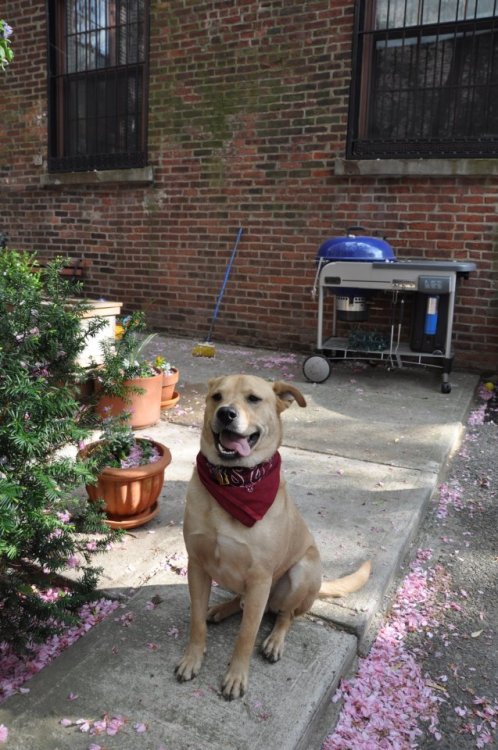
x=5 y=30
x=72 y=561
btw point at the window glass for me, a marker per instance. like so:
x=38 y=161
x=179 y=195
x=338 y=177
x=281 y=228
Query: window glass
x=97 y=90
x=392 y=14
x=426 y=79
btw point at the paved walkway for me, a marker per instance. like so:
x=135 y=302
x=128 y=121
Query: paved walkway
x=362 y=461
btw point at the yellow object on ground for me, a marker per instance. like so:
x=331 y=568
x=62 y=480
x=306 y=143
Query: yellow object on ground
x=204 y=350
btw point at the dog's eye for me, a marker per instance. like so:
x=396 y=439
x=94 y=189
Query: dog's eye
x=254 y=399
x=216 y=397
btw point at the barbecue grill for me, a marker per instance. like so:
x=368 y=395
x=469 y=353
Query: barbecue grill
x=354 y=268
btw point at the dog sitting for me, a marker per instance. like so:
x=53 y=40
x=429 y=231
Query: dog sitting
x=243 y=530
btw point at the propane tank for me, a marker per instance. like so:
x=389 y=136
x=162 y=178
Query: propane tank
x=431 y=315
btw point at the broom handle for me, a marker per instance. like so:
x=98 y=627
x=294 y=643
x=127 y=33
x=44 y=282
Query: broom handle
x=222 y=290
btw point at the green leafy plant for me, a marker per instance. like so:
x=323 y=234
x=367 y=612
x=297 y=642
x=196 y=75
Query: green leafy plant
x=44 y=526
x=124 y=358
x=162 y=365
x=6 y=53
x=118 y=447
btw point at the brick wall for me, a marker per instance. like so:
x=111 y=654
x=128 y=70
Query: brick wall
x=248 y=113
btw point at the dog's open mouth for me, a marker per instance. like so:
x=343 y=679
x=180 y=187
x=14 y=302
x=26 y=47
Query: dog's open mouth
x=233 y=445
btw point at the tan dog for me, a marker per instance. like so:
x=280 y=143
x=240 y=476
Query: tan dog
x=251 y=539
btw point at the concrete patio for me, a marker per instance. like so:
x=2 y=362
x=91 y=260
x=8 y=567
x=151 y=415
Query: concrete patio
x=362 y=462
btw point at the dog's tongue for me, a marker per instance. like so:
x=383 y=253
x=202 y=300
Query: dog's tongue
x=232 y=441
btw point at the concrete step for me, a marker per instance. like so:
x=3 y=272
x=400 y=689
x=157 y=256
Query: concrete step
x=128 y=670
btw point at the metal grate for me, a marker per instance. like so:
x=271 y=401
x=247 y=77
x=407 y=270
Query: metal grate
x=98 y=56
x=426 y=81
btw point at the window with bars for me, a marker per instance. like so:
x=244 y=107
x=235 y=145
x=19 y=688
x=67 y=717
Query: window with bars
x=425 y=80
x=97 y=84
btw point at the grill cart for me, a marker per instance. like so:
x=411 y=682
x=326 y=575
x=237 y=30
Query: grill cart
x=354 y=268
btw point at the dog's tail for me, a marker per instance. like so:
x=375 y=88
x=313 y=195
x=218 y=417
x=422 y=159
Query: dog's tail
x=346 y=584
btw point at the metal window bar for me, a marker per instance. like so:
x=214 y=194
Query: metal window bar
x=97 y=84
x=426 y=79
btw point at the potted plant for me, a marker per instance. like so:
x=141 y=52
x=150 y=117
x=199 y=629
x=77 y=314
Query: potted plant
x=169 y=397
x=126 y=380
x=129 y=470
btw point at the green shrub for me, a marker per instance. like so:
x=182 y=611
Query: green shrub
x=44 y=525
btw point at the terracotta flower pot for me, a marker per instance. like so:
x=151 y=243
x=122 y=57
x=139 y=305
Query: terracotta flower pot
x=169 y=397
x=145 y=407
x=130 y=495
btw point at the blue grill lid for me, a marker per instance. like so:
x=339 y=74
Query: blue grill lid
x=356 y=248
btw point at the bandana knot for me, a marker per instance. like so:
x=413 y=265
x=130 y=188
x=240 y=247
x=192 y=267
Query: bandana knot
x=246 y=494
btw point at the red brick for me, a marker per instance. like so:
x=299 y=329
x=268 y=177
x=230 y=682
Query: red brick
x=284 y=80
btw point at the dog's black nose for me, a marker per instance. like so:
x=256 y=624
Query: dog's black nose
x=226 y=414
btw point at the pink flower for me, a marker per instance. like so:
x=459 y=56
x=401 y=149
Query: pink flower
x=389 y=695
x=477 y=417
x=4 y=733
x=50 y=595
x=485 y=394
x=15 y=671
x=114 y=725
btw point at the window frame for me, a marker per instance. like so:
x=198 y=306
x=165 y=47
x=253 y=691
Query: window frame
x=58 y=160
x=359 y=144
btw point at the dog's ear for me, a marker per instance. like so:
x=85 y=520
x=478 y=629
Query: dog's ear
x=214 y=383
x=286 y=394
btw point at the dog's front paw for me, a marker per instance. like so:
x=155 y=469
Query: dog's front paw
x=234 y=685
x=273 y=648
x=189 y=666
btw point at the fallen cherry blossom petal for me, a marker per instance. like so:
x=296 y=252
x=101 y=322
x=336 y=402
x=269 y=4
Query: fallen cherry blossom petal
x=388 y=696
x=16 y=670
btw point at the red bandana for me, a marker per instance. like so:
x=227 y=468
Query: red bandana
x=246 y=494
